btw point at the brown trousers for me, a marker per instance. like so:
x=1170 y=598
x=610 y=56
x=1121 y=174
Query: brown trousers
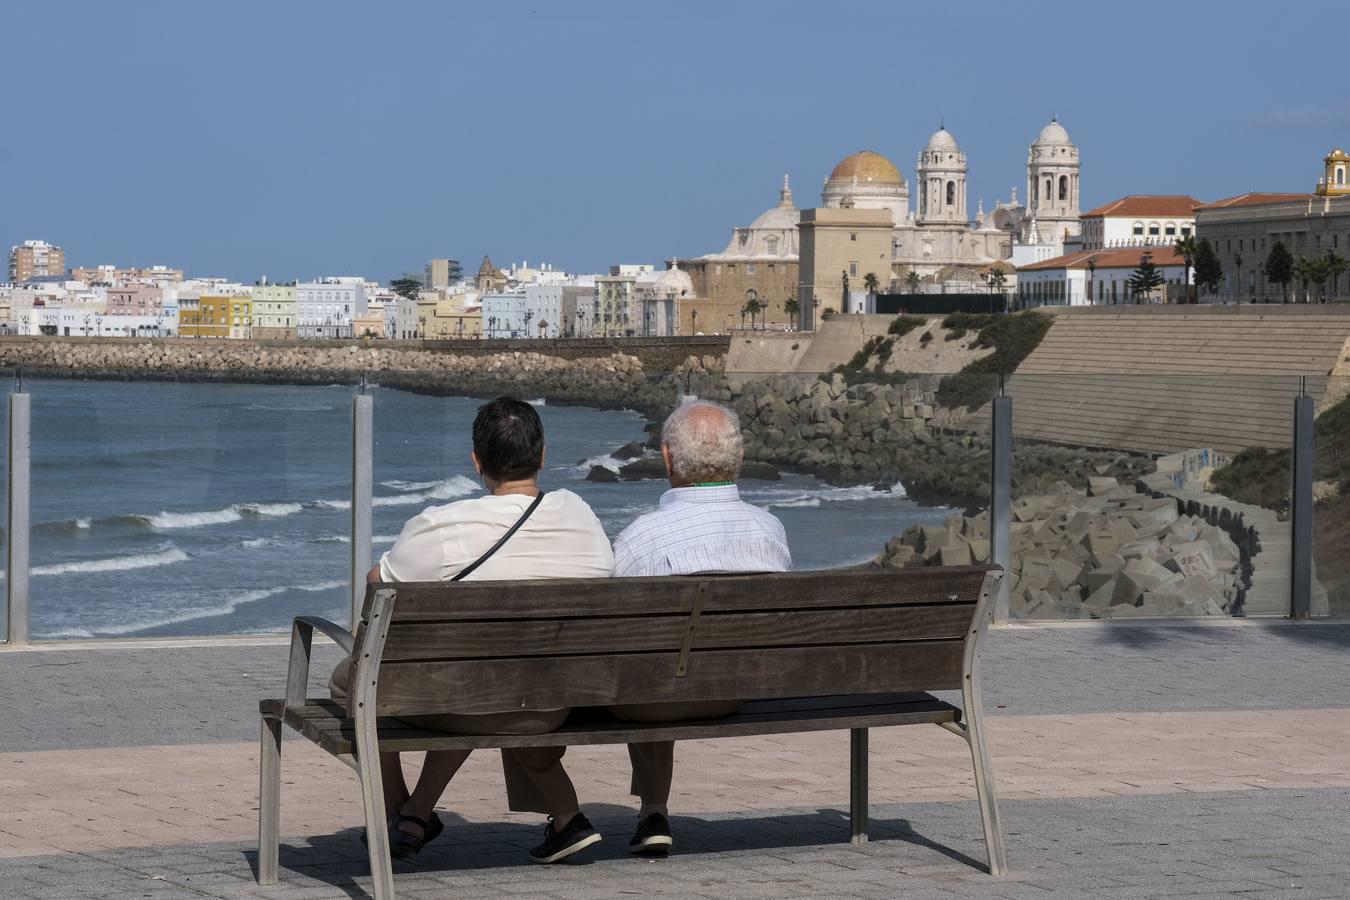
x=520 y=766
x=654 y=761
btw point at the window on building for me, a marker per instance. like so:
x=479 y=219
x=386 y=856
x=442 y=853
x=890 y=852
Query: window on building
x=852 y=269
x=1170 y=230
x=751 y=268
x=771 y=245
x=1153 y=229
x=1185 y=231
x=853 y=235
x=1048 y=191
x=1138 y=229
x=951 y=193
x=1064 y=187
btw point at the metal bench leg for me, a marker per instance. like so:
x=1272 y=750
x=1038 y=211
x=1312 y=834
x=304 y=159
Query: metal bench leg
x=857 y=779
x=984 y=787
x=269 y=800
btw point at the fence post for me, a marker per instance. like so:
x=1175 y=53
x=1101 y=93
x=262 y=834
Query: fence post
x=1000 y=496
x=363 y=471
x=16 y=581
x=1301 y=510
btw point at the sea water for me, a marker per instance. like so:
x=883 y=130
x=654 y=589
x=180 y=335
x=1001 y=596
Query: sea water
x=204 y=509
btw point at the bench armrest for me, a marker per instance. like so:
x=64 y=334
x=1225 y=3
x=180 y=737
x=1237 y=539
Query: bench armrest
x=302 y=636
x=341 y=636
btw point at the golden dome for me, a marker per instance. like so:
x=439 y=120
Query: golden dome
x=867 y=166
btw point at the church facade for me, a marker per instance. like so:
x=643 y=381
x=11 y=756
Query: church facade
x=933 y=238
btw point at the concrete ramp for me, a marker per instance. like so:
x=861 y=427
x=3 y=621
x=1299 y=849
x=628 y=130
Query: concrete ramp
x=1162 y=379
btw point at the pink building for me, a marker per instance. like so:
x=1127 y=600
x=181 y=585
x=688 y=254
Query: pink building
x=135 y=300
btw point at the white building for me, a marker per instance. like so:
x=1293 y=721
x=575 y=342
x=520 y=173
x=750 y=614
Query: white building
x=544 y=303
x=506 y=314
x=1097 y=278
x=325 y=308
x=1139 y=220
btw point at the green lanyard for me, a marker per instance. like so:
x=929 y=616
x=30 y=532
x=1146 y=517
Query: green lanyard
x=713 y=484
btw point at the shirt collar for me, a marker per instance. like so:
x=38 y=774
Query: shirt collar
x=728 y=493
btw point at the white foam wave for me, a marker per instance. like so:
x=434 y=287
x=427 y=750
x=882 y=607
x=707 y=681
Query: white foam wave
x=789 y=498
x=225 y=608
x=82 y=524
x=166 y=519
x=163 y=557
x=397 y=485
x=448 y=489
x=331 y=539
x=332 y=504
x=257 y=543
x=604 y=461
x=384 y=539
x=270 y=509
x=540 y=402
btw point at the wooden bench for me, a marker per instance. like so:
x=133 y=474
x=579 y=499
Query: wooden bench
x=808 y=651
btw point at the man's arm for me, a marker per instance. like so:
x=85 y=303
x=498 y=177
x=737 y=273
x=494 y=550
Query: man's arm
x=373 y=576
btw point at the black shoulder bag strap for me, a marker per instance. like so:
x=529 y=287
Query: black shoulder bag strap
x=467 y=570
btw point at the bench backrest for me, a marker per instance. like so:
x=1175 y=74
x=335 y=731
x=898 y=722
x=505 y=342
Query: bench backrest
x=491 y=646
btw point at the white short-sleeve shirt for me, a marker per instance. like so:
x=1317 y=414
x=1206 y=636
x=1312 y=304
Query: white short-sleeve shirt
x=561 y=539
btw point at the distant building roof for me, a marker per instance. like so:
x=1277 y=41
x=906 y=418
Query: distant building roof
x=1255 y=199
x=1173 y=205
x=1127 y=258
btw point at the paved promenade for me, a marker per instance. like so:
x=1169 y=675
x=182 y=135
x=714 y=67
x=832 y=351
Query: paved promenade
x=1133 y=761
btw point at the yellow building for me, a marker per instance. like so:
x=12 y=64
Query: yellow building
x=217 y=317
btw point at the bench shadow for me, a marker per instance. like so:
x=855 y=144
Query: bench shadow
x=339 y=859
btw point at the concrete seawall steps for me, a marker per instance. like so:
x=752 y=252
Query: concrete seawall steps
x=1162 y=379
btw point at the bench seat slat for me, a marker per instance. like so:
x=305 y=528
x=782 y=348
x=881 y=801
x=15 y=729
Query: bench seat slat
x=509 y=638
x=556 y=682
x=325 y=723
x=589 y=597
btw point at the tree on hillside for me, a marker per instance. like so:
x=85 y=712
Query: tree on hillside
x=1208 y=269
x=793 y=310
x=408 y=288
x=1186 y=248
x=1146 y=279
x=1279 y=268
x=912 y=281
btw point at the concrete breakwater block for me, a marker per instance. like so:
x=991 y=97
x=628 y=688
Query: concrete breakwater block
x=1109 y=552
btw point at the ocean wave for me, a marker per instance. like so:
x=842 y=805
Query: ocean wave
x=397 y=485
x=790 y=498
x=540 y=402
x=257 y=543
x=269 y=509
x=300 y=407
x=164 y=557
x=330 y=504
x=449 y=489
x=384 y=539
x=168 y=520
x=331 y=539
x=224 y=608
x=604 y=461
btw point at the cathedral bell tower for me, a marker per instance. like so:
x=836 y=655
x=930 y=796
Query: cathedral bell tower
x=942 y=183
x=1052 y=183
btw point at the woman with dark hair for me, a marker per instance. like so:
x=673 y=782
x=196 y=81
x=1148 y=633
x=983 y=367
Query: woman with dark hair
x=550 y=534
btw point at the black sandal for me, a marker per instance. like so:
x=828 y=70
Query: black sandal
x=402 y=844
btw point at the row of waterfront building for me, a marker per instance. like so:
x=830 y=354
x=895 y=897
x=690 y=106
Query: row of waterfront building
x=787 y=268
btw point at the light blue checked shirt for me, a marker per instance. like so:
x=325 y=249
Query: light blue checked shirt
x=700 y=530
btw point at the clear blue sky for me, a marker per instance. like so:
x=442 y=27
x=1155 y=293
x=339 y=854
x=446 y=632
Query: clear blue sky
x=302 y=138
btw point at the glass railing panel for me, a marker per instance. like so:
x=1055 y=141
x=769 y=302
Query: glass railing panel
x=1331 y=498
x=7 y=387
x=178 y=509
x=1150 y=496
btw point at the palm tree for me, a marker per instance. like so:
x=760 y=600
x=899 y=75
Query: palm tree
x=1335 y=266
x=793 y=309
x=912 y=281
x=1092 y=278
x=870 y=283
x=1186 y=248
x=1303 y=273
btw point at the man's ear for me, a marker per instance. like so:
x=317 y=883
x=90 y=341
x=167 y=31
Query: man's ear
x=477 y=466
x=665 y=456
x=543 y=457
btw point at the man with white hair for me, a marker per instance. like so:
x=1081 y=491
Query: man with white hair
x=701 y=527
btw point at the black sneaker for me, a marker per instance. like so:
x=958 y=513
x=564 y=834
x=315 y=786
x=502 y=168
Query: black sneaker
x=578 y=835
x=652 y=837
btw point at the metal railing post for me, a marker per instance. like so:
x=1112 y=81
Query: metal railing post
x=363 y=473
x=17 y=573
x=1301 y=510
x=1000 y=496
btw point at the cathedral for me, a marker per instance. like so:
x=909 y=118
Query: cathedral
x=866 y=224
